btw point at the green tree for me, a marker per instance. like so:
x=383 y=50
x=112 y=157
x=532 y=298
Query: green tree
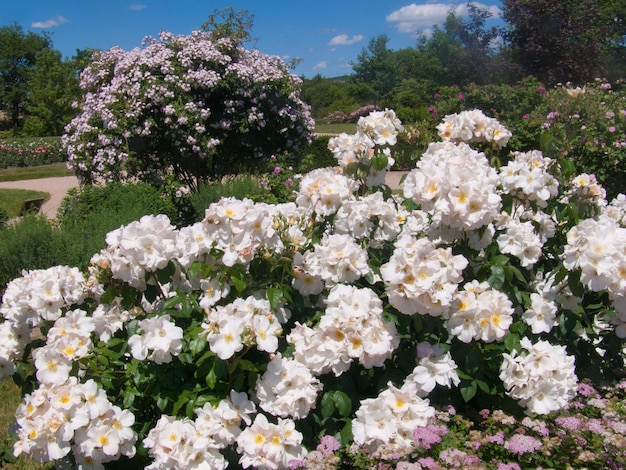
x=230 y=23
x=374 y=66
x=327 y=95
x=18 y=55
x=563 y=41
x=52 y=87
x=456 y=48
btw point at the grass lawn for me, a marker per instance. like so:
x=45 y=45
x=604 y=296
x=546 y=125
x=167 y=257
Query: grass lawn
x=11 y=199
x=34 y=172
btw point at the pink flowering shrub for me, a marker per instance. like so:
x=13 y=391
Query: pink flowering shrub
x=349 y=327
x=190 y=106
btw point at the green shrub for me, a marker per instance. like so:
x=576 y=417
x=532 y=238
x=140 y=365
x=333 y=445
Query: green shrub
x=239 y=186
x=31 y=243
x=131 y=201
x=587 y=126
x=3 y=217
x=318 y=155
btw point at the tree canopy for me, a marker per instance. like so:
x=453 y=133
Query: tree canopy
x=18 y=56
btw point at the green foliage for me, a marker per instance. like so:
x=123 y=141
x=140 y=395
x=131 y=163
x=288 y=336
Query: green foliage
x=230 y=24
x=330 y=95
x=85 y=217
x=131 y=201
x=31 y=243
x=52 y=87
x=238 y=186
x=34 y=172
x=318 y=155
x=564 y=41
x=18 y=56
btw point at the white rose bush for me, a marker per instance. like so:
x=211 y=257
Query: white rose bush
x=348 y=320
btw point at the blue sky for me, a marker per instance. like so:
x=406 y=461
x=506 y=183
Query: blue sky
x=326 y=35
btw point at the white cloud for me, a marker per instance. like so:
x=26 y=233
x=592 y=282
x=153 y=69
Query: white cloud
x=321 y=65
x=137 y=6
x=50 y=23
x=413 y=18
x=345 y=40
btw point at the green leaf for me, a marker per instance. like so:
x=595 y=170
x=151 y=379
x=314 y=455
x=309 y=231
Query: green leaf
x=240 y=283
x=380 y=162
x=573 y=281
x=197 y=345
x=274 y=296
x=151 y=293
x=469 y=391
x=512 y=271
x=129 y=398
x=211 y=379
x=560 y=275
x=198 y=270
x=166 y=274
x=346 y=433
x=130 y=297
x=327 y=405
x=161 y=402
x=246 y=365
x=497 y=278
x=342 y=403
x=572 y=213
x=484 y=386
x=107 y=296
x=512 y=342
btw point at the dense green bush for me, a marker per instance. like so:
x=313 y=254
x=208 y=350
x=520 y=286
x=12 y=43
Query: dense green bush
x=30 y=243
x=130 y=200
x=239 y=186
x=318 y=155
x=31 y=152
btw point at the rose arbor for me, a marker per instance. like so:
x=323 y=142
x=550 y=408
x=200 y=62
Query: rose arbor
x=353 y=312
